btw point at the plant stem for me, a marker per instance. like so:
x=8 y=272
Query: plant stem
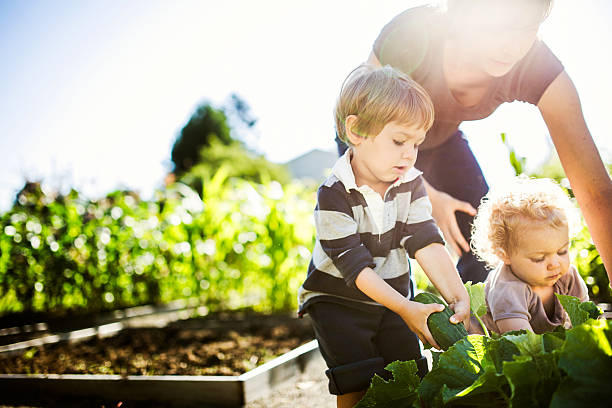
x=484 y=328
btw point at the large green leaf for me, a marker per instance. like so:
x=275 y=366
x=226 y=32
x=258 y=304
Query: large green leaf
x=501 y=350
x=468 y=373
x=478 y=303
x=579 y=312
x=586 y=358
x=399 y=392
x=561 y=369
x=458 y=368
x=435 y=357
x=490 y=386
x=553 y=340
x=532 y=379
x=527 y=342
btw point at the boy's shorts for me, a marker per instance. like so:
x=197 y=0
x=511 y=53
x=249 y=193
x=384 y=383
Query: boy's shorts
x=357 y=344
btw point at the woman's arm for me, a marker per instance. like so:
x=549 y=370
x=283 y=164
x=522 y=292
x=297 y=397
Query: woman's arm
x=589 y=179
x=506 y=325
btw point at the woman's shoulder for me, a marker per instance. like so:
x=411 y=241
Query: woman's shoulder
x=408 y=38
x=415 y=20
x=530 y=77
x=419 y=13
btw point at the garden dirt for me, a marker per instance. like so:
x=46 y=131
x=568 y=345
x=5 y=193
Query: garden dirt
x=226 y=344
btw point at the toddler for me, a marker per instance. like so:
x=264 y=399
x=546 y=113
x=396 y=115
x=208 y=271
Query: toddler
x=523 y=232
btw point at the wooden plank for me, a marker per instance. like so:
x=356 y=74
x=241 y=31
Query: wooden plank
x=73 y=336
x=262 y=380
x=141 y=319
x=171 y=390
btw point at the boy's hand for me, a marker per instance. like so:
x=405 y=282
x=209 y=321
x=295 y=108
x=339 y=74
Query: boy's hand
x=462 y=312
x=415 y=315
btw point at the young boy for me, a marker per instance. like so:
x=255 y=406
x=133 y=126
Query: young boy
x=372 y=211
x=523 y=231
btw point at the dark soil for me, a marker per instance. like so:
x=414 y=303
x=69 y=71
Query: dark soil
x=223 y=344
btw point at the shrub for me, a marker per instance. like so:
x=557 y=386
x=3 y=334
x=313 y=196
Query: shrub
x=245 y=244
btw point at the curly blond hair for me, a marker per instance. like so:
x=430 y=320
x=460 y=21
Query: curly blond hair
x=504 y=213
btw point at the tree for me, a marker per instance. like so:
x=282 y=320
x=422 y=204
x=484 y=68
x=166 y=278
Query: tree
x=242 y=162
x=205 y=126
x=208 y=141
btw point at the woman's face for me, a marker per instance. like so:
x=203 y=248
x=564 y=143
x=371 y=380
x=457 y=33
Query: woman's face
x=497 y=50
x=497 y=38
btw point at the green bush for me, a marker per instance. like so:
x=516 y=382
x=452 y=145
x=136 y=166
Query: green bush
x=238 y=162
x=245 y=244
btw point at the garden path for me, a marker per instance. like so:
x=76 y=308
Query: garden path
x=307 y=390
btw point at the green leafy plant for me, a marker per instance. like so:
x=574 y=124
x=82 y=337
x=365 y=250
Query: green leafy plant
x=563 y=368
x=243 y=245
x=478 y=305
x=517 y=162
x=579 y=312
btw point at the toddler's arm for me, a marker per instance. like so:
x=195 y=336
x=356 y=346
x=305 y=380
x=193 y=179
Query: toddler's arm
x=438 y=266
x=514 y=323
x=413 y=313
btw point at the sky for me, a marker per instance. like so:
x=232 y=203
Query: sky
x=94 y=93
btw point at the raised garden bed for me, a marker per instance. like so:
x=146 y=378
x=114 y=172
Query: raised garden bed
x=20 y=327
x=221 y=360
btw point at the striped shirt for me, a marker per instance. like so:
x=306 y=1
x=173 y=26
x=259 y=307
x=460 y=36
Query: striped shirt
x=356 y=228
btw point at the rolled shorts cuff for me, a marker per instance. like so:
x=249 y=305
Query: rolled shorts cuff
x=355 y=376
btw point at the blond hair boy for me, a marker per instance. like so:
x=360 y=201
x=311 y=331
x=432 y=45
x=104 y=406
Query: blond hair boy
x=370 y=213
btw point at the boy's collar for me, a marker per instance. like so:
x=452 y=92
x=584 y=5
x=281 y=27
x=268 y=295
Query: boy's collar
x=343 y=170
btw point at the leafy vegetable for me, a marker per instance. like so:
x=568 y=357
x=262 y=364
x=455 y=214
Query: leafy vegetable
x=532 y=379
x=242 y=245
x=443 y=331
x=586 y=359
x=563 y=368
x=578 y=311
x=478 y=303
x=399 y=392
x=468 y=373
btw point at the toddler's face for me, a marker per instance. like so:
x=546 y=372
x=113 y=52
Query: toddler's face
x=542 y=255
x=388 y=155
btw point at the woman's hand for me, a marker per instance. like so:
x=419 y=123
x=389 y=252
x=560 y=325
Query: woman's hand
x=415 y=315
x=443 y=212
